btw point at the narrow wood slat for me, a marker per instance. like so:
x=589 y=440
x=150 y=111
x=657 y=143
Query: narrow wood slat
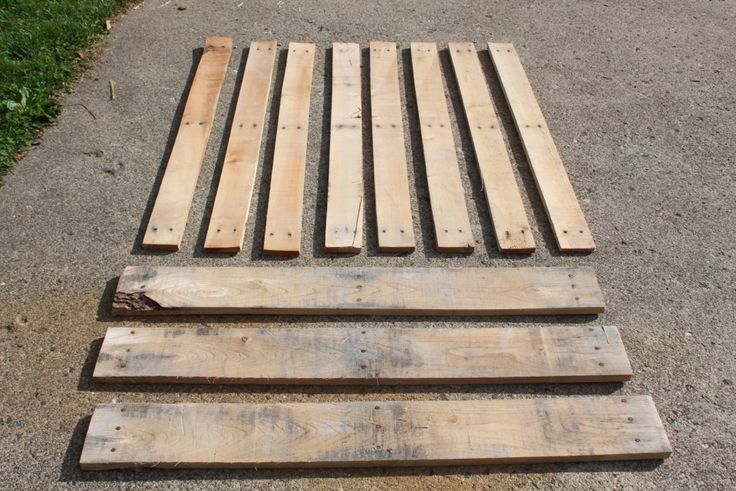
x=446 y=194
x=286 y=197
x=374 y=433
x=513 y=233
x=362 y=356
x=564 y=212
x=390 y=175
x=416 y=291
x=344 y=222
x=168 y=219
x=235 y=189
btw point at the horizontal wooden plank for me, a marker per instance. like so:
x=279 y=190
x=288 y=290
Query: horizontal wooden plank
x=362 y=356
x=564 y=212
x=416 y=291
x=374 y=433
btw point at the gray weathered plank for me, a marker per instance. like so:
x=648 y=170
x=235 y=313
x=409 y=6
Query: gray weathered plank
x=374 y=433
x=310 y=290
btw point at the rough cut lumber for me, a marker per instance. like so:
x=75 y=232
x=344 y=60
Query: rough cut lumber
x=174 y=199
x=362 y=356
x=286 y=197
x=510 y=223
x=446 y=194
x=317 y=291
x=564 y=212
x=391 y=179
x=344 y=222
x=374 y=433
x=234 y=191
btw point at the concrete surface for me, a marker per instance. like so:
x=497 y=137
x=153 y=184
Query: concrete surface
x=640 y=97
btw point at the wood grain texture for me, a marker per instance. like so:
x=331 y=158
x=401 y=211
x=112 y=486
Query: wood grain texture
x=286 y=197
x=391 y=179
x=376 y=356
x=170 y=212
x=315 y=291
x=374 y=433
x=446 y=193
x=344 y=221
x=563 y=210
x=235 y=189
x=510 y=223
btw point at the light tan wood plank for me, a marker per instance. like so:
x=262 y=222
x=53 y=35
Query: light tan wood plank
x=416 y=291
x=286 y=197
x=510 y=223
x=564 y=212
x=446 y=193
x=391 y=180
x=362 y=356
x=344 y=223
x=165 y=228
x=374 y=433
x=235 y=189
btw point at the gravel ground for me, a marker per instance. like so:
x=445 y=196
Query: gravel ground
x=640 y=97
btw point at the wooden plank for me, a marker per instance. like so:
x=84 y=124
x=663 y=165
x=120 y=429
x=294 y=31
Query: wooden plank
x=446 y=194
x=235 y=189
x=174 y=199
x=286 y=197
x=564 y=212
x=344 y=223
x=390 y=175
x=315 y=291
x=374 y=433
x=362 y=356
x=510 y=223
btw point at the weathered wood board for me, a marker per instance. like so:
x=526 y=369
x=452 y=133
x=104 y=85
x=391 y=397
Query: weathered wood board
x=168 y=219
x=559 y=354
x=314 y=290
x=446 y=193
x=510 y=223
x=564 y=212
x=374 y=433
x=344 y=221
x=391 y=179
x=286 y=196
x=235 y=189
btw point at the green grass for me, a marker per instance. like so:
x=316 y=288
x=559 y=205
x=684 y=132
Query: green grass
x=39 y=45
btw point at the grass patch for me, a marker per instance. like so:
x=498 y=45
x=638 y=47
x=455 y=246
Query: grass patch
x=39 y=45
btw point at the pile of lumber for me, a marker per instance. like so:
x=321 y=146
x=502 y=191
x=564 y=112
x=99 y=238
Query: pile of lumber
x=345 y=199
x=372 y=433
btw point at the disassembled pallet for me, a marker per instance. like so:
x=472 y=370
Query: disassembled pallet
x=374 y=433
x=345 y=200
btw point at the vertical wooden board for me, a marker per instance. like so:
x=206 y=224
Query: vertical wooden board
x=564 y=212
x=349 y=355
x=235 y=189
x=344 y=223
x=370 y=291
x=286 y=198
x=510 y=222
x=175 y=194
x=446 y=193
x=390 y=175
x=374 y=433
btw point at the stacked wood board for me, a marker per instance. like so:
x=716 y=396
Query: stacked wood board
x=372 y=433
x=345 y=198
